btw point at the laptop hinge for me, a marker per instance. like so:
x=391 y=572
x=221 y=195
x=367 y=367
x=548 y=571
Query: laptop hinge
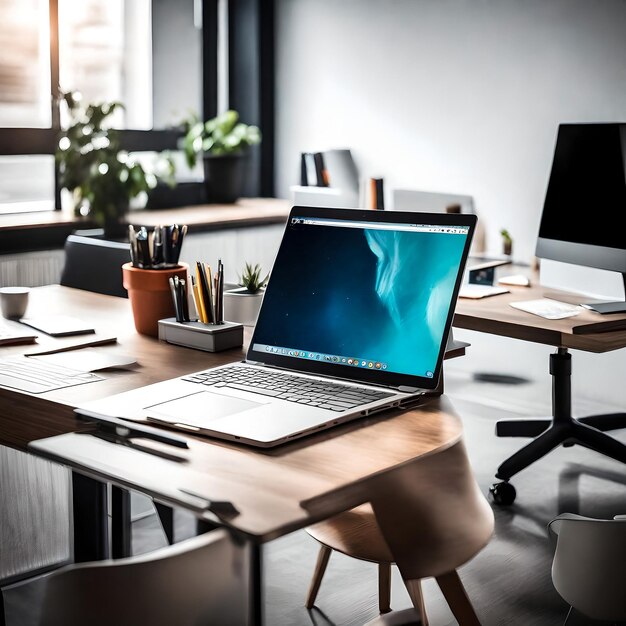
x=401 y=388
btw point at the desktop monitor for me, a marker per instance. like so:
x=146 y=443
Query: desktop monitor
x=586 y=200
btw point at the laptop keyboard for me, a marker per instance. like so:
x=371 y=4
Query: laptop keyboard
x=322 y=394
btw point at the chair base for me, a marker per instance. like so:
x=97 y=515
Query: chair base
x=561 y=428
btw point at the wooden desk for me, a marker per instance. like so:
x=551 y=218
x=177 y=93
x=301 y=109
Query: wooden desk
x=45 y=230
x=587 y=331
x=275 y=491
x=297 y=472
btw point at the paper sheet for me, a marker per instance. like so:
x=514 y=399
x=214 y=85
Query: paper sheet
x=547 y=308
x=88 y=360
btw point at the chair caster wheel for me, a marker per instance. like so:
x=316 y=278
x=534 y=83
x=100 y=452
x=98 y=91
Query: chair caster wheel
x=503 y=493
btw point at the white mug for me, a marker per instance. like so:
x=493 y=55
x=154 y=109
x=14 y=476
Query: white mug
x=14 y=301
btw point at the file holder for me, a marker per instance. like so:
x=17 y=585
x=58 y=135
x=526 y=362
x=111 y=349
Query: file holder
x=207 y=337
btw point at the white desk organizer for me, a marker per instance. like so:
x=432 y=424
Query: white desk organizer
x=207 y=337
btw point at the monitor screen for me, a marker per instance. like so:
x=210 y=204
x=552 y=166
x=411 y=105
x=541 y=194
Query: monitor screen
x=586 y=197
x=362 y=294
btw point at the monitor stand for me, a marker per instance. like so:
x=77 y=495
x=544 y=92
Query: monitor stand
x=600 y=290
x=618 y=306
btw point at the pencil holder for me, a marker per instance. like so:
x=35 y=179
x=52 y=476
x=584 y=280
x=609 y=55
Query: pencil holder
x=150 y=295
x=207 y=337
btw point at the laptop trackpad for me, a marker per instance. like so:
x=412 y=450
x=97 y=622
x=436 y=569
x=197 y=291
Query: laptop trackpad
x=200 y=409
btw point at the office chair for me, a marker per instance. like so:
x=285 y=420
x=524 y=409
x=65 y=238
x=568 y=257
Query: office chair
x=95 y=265
x=198 y=582
x=435 y=518
x=589 y=567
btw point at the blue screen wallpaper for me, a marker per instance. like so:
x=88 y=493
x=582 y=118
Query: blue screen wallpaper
x=378 y=295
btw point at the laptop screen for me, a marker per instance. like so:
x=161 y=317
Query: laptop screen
x=358 y=293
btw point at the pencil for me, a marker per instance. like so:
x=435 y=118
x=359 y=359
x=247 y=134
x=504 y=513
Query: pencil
x=196 y=299
x=199 y=290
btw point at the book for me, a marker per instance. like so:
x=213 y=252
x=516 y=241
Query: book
x=321 y=173
x=376 y=198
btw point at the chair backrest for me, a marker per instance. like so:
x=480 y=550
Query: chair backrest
x=589 y=568
x=433 y=514
x=201 y=581
x=95 y=265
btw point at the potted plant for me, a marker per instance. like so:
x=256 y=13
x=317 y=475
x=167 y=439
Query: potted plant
x=507 y=242
x=101 y=177
x=223 y=142
x=242 y=304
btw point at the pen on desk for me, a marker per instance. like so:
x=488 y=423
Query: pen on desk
x=216 y=289
x=209 y=282
x=129 y=430
x=220 y=293
x=132 y=240
x=157 y=248
x=174 y=298
x=143 y=248
x=184 y=296
x=206 y=292
x=181 y=298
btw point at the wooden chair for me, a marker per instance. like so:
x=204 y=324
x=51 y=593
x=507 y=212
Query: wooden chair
x=429 y=518
x=197 y=582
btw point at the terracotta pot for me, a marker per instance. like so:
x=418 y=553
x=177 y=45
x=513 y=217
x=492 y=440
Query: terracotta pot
x=150 y=295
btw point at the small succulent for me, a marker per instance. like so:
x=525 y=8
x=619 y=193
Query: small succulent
x=251 y=278
x=507 y=241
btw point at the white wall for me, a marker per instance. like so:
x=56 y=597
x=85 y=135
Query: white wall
x=458 y=96
x=448 y=95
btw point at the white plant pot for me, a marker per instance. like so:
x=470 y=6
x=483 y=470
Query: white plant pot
x=241 y=306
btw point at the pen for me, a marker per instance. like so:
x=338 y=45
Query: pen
x=173 y=292
x=124 y=441
x=184 y=296
x=129 y=430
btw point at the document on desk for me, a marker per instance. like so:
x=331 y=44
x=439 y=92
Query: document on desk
x=66 y=344
x=58 y=325
x=33 y=376
x=547 y=308
x=87 y=360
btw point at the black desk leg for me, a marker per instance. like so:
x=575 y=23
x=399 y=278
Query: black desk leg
x=2 y=616
x=256 y=584
x=120 y=523
x=91 y=537
x=166 y=516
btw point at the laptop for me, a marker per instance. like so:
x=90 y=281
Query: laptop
x=354 y=321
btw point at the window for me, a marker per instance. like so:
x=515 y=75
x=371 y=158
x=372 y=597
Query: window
x=24 y=63
x=105 y=53
x=151 y=55
x=159 y=57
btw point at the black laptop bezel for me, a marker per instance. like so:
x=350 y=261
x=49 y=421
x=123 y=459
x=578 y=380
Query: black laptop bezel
x=347 y=372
